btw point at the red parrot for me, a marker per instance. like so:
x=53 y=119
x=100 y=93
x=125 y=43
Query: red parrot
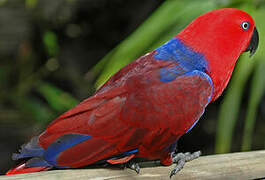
x=143 y=109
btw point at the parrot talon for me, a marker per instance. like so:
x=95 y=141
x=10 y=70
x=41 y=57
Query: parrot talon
x=181 y=158
x=134 y=166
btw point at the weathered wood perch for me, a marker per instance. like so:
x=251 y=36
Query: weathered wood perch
x=245 y=165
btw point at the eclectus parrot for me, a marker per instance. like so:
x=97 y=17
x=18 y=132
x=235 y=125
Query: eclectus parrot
x=142 y=110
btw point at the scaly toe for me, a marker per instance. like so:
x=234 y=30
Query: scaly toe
x=134 y=166
x=181 y=158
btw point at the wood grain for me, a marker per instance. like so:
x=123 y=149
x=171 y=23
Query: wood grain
x=244 y=165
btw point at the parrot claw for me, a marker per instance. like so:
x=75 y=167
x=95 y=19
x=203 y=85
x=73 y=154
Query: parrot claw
x=134 y=166
x=181 y=158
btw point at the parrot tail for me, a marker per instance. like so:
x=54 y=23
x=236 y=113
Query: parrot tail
x=22 y=168
x=36 y=163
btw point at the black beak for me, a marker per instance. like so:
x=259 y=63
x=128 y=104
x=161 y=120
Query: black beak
x=254 y=42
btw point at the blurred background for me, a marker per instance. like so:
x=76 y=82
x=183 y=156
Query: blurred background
x=55 y=53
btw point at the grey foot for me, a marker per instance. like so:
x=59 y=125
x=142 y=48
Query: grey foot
x=181 y=158
x=134 y=166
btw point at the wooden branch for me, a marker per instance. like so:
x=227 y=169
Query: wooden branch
x=244 y=165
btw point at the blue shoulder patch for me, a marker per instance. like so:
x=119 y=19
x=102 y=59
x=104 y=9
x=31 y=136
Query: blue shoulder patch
x=186 y=59
x=169 y=74
x=61 y=144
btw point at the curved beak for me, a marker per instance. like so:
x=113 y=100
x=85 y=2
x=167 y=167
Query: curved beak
x=254 y=42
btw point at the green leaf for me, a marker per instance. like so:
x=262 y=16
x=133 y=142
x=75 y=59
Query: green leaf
x=39 y=111
x=256 y=93
x=51 y=43
x=57 y=99
x=33 y=109
x=231 y=104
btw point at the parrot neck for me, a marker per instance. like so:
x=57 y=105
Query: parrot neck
x=221 y=59
x=221 y=73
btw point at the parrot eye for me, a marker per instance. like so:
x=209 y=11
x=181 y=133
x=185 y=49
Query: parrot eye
x=245 y=25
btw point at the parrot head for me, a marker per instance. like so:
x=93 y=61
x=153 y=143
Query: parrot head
x=221 y=36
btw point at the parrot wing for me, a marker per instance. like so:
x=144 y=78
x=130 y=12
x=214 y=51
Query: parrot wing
x=175 y=104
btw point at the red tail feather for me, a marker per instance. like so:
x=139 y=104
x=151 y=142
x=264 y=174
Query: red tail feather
x=21 y=169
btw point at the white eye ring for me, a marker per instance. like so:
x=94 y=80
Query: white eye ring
x=245 y=25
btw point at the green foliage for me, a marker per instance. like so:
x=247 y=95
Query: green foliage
x=231 y=105
x=30 y=3
x=57 y=99
x=22 y=85
x=32 y=107
x=51 y=43
x=256 y=93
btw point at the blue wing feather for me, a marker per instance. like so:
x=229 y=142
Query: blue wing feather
x=61 y=144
